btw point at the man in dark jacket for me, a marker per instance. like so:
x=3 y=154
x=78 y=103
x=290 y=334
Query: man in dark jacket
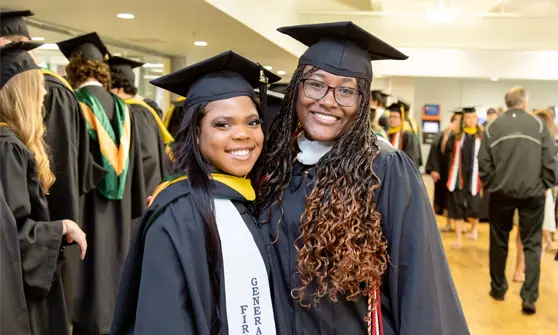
x=516 y=163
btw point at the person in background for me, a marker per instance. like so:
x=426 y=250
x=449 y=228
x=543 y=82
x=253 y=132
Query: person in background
x=549 y=221
x=437 y=166
x=464 y=185
x=274 y=100
x=108 y=211
x=152 y=104
x=173 y=117
x=491 y=115
x=378 y=112
x=513 y=139
x=400 y=133
x=31 y=241
x=66 y=136
x=154 y=136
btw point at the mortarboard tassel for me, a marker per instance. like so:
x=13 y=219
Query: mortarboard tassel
x=402 y=131
x=263 y=89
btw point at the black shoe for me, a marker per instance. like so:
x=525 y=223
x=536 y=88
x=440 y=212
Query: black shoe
x=528 y=308
x=496 y=297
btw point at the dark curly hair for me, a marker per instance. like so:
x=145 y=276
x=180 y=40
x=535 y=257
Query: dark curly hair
x=121 y=81
x=341 y=246
x=81 y=68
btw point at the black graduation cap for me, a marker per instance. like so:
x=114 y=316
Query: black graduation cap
x=15 y=59
x=380 y=92
x=224 y=76
x=461 y=110
x=399 y=106
x=89 y=45
x=341 y=48
x=378 y=95
x=12 y=24
x=123 y=67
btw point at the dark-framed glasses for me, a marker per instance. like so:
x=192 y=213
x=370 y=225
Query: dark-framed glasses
x=315 y=89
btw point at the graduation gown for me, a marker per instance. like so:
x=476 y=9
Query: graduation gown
x=418 y=295
x=68 y=142
x=154 y=105
x=438 y=162
x=175 y=119
x=72 y=165
x=31 y=288
x=467 y=162
x=156 y=164
x=410 y=145
x=108 y=225
x=166 y=287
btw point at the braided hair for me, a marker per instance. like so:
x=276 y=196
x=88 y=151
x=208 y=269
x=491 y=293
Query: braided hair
x=341 y=249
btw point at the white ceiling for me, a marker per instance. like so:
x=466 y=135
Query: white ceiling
x=170 y=27
x=480 y=24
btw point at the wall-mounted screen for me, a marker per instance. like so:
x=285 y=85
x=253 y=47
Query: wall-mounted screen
x=430 y=127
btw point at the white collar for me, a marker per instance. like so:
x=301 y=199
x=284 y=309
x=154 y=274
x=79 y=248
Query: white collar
x=90 y=83
x=311 y=151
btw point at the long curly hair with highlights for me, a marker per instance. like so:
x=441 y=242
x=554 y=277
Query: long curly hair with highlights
x=81 y=68
x=341 y=249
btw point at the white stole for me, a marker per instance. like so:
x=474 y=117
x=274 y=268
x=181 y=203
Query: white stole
x=396 y=140
x=455 y=173
x=248 y=296
x=475 y=182
x=311 y=151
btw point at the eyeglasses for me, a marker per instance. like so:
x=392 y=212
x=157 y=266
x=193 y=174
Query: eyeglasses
x=315 y=89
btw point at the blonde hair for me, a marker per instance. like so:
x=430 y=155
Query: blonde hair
x=548 y=117
x=21 y=101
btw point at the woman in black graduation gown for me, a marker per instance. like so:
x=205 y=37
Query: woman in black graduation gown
x=437 y=166
x=464 y=185
x=31 y=289
x=108 y=211
x=198 y=263
x=352 y=238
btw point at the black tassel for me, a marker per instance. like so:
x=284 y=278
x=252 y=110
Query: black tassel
x=263 y=90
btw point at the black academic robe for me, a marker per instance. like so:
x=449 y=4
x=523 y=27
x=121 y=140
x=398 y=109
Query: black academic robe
x=14 y=318
x=68 y=143
x=32 y=243
x=72 y=165
x=271 y=111
x=108 y=225
x=410 y=145
x=438 y=162
x=467 y=161
x=165 y=287
x=176 y=119
x=418 y=295
x=155 y=107
x=156 y=163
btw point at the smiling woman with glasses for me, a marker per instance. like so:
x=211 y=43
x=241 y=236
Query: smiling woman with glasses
x=346 y=216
